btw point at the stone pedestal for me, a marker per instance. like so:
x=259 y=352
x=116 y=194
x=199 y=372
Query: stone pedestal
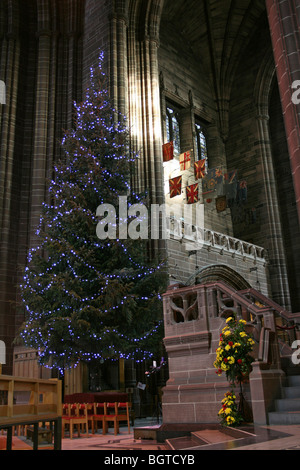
x=194 y=392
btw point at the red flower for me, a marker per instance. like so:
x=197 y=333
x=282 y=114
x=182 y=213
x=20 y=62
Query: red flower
x=240 y=361
x=230 y=343
x=225 y=360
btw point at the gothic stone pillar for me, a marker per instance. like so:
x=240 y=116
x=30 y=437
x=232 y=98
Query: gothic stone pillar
x=284 y=20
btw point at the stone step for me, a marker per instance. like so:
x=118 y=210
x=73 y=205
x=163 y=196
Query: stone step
x=291 y=392
x=287 y=404
x=287 y=408
x=284 y=417
x=294 y=380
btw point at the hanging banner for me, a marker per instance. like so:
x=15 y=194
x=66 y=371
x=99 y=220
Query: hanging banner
x=221 y=204
x=200 y=169
x=210 y=182
x=168 y=152
x=175 y=186
x=185 y=161
x=192 y=194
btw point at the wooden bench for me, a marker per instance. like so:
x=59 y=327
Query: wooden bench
x=43 y=406
x=44 y=434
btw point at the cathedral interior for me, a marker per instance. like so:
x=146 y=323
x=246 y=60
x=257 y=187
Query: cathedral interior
x=214 y=77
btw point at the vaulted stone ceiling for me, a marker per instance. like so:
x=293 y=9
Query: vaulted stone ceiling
x=216 y=30
x=217 y=33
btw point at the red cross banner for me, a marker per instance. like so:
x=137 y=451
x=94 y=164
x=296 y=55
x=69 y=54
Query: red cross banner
x=185 y=161
x=200 y=169
x=175 y=186
x=168 y=152
x=192 y=194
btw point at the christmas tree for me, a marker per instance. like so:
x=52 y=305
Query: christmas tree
x=87 y=297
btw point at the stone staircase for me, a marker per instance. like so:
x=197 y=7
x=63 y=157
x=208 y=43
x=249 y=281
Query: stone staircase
x=287 y=408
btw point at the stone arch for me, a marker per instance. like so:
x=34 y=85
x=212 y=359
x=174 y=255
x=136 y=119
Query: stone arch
x=264 y=84
x=221 y=272
x=144 y=17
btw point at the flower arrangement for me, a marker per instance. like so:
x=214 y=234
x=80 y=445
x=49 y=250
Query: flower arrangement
x=233 y=358
x=229 y=413
x=233 y=354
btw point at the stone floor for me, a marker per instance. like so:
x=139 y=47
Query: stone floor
x=248 y=438
x=205 y=438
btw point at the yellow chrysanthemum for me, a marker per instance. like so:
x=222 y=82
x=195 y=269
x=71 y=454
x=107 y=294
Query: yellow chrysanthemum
x=230 y=420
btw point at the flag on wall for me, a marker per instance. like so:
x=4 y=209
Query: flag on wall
x=200 y=169
x=210 y=182
x=242 y=192
x=192 y=193
x=175 y=186
x=185 y=161
x=221 y=204
x=168 y=151
x=231 y=187
x=219 y=175
x=231 y=177
x=220 y=178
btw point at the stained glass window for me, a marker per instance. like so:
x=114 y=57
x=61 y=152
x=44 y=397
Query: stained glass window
x=201 y=143
x=173 y=129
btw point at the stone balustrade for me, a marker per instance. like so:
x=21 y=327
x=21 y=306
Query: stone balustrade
x=195 y=238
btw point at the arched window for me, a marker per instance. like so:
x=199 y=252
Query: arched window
x=200 y=143
x=173 y=128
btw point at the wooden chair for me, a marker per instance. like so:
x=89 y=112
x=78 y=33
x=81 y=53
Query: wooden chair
x=77 y=415
x=81 y=418
x=90 y=413
x=124 y=413
x=98 y=416
x=65 y=419
x=120 y=412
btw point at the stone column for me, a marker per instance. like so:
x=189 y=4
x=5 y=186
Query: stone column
x=145 y=118
x=284 y=20
x=119 y=63
x=9 y=74
x=40 y=138
x=277 y=268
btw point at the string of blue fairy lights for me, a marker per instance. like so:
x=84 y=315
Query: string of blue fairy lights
x=70 y=178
